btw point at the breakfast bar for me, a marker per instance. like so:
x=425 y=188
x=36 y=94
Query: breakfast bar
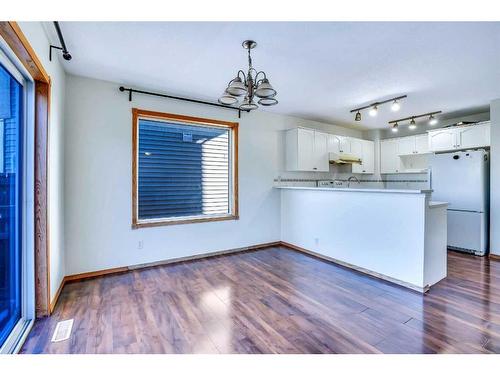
x=396 y=235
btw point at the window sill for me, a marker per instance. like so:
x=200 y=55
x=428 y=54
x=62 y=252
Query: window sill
x=148 y=224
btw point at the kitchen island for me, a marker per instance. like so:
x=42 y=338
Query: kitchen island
x=396 y=235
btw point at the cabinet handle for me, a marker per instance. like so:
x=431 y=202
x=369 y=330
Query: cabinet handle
x=315 y=168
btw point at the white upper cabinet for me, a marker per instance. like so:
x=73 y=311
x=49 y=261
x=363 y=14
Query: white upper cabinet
x=473 y=136
x=389 y=156
x=422 y=144
x=367 y=165
x=306 y=150
x=320 y=162
x=339 y=144
x=414 y=144
x=406 y=145
x=356 y=147
x=460 y=137
x=442 y=140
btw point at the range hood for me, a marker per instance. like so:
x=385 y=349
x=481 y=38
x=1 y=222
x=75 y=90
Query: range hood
x=343 y=158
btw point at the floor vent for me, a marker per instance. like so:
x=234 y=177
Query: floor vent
x=63 y=330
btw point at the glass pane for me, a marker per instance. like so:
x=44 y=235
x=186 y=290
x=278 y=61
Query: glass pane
x=184 y=170
x=10 y=202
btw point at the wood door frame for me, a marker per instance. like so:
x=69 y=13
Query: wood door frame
x=17 y=41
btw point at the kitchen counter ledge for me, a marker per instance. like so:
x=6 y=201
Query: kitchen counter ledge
x=363 y=190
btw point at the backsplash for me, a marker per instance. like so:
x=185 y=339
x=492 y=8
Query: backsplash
x=395 y=181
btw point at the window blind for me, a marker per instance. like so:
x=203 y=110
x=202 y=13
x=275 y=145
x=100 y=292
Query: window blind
x=183 y=170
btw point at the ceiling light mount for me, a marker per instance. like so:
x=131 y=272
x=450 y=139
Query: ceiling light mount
x=395 y=106
x=249 y=44
x=250 y=85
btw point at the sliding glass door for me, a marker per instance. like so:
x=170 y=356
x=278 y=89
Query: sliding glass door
x=13 y=206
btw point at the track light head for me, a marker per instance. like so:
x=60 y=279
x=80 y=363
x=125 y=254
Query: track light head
x=395 y=106
x=373 y=111
x=413 y=125
x=395 y=127
x=358 y=116
x=432 y=120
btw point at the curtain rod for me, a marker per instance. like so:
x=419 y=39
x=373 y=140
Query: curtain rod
x=131 y=90
x=66 y=55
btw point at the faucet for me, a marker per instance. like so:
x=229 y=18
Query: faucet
x=352 y=178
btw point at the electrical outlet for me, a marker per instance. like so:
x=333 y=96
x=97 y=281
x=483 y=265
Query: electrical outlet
x=140 y=245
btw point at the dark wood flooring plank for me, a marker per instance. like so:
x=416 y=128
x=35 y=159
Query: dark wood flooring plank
x=276 y=301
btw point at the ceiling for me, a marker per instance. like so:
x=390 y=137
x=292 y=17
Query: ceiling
x=320 y=70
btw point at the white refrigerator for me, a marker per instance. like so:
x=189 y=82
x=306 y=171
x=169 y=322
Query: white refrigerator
x=462 y=179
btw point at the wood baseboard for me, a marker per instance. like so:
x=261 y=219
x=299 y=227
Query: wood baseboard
x=494 y=257
x=110 y=271
x=356 y=268
x=56 y=297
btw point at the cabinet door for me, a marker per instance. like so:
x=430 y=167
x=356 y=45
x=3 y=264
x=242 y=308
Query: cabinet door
x=367 y=165
x=442 y=140
x=389 y=159
x=473 y=136
x=305 y=149
x=406 y=145
x=334 y=143
x=356 y=147
x=345 y=145
x=321 y=163
x=422 y=143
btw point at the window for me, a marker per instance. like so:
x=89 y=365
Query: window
x=185 y=169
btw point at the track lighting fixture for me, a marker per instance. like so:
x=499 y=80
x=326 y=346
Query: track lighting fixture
x=413 y=124
x=373 y=107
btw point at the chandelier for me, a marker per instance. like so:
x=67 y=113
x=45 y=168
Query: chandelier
x=252 y=84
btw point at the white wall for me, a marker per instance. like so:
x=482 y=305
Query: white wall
x=495 y=178
x=98 y=177
x=37 y=37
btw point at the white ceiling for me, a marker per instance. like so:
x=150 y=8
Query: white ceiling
x=320 y=70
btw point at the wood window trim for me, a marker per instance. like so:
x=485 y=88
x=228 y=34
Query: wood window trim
x=145 y=114
x=18 y=43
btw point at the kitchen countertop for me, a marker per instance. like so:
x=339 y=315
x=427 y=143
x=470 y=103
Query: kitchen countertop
x=435 y=204
x=367 y=190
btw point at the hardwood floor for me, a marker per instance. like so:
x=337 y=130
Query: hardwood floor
x=276 y=301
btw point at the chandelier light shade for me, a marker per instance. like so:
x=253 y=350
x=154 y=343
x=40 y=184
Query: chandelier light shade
x=252 y=84
x=227 y=99
x=267 y=101
x=248 y=104
x=236 y=87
